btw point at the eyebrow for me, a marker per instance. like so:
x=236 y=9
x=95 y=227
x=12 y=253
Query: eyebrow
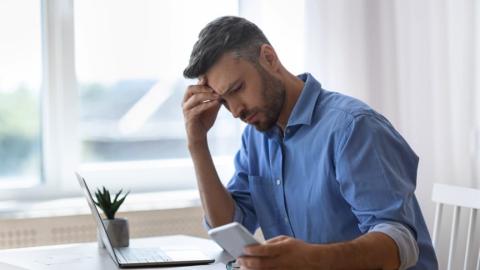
x=231 y=87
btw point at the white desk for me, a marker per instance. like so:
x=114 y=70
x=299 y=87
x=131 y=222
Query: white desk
x=89 y=256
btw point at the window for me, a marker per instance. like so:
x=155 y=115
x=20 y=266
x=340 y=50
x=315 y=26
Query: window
x=20 y=84
x=96 y=87
x=130 y=56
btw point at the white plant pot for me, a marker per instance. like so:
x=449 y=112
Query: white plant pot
x=118 y=232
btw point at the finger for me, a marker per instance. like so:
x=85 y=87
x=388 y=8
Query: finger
x=248 y=262
x=277 y=239
x=204 y=107
x=198 y=99
x=202 y=80
x=265 y=250
x=271 y=247
x=194 y=89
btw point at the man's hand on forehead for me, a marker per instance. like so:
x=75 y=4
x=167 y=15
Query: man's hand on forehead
x=202 y=80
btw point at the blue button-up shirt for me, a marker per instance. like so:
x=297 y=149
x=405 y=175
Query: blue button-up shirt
x=339 y=169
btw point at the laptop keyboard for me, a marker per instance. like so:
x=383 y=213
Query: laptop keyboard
x=143 y=255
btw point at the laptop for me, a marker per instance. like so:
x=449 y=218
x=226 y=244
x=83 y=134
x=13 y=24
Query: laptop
x=127 y=257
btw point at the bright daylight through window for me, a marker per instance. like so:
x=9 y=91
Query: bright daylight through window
x=96 y=86
x=20 y=84
x=129 y=61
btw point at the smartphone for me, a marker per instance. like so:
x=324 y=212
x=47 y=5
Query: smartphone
x=233 y=237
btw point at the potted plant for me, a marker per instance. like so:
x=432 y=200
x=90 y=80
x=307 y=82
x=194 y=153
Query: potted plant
x=117 y=228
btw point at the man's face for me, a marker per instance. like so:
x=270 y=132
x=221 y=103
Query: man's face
x=247 y=90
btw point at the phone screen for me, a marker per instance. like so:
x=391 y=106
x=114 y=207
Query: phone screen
x=233 y=237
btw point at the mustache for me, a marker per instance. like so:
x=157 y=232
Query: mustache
x=244 y=115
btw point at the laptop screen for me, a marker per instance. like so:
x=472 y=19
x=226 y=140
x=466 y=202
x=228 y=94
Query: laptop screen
x=98 y=219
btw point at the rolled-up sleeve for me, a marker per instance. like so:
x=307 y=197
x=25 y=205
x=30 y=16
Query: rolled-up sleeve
x=237 y=216
x=407 y=245
x=376 y=170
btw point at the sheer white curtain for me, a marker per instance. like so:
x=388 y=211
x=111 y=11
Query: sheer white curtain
x=415 y=61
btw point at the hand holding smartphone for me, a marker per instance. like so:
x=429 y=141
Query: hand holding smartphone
x=233 y=237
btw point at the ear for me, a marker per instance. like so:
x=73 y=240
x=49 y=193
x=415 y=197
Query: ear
x=268 y=58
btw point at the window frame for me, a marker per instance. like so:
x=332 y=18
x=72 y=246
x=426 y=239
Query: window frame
x=60 y=150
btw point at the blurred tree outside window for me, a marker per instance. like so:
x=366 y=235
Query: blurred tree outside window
x=20 y=84
x=130 y=56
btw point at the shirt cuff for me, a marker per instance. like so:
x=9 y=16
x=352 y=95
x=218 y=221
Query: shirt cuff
x=403 y=237
x=237 y=217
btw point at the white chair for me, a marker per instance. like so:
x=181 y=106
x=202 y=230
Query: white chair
x=458 y=197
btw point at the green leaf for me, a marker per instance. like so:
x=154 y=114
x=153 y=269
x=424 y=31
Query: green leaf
x=116 y=195
x=109 y=207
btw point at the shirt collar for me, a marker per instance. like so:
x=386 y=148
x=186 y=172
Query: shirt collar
x=302 y=112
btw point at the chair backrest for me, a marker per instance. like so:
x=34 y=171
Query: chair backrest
x=458 y=197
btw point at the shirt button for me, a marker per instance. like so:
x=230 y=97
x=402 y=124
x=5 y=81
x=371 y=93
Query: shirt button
x=278 y=181
x=286 y=219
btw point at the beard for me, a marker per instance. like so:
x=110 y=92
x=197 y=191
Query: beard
x=273 y=95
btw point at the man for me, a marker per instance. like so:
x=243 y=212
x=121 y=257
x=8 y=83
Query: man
x=329 y=181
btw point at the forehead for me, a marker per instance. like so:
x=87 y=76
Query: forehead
x=226 y=71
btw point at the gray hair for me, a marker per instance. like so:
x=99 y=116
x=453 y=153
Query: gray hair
x=223 y=35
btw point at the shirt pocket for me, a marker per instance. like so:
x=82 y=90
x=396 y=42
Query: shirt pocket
x=264 y=200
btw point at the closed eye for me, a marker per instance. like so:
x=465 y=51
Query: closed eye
x=237 y=88
x=231 y=92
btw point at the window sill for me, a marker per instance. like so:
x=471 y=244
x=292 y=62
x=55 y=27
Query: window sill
x=78 y=206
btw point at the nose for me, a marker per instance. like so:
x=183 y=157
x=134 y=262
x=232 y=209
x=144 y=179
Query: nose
x=235 y=107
